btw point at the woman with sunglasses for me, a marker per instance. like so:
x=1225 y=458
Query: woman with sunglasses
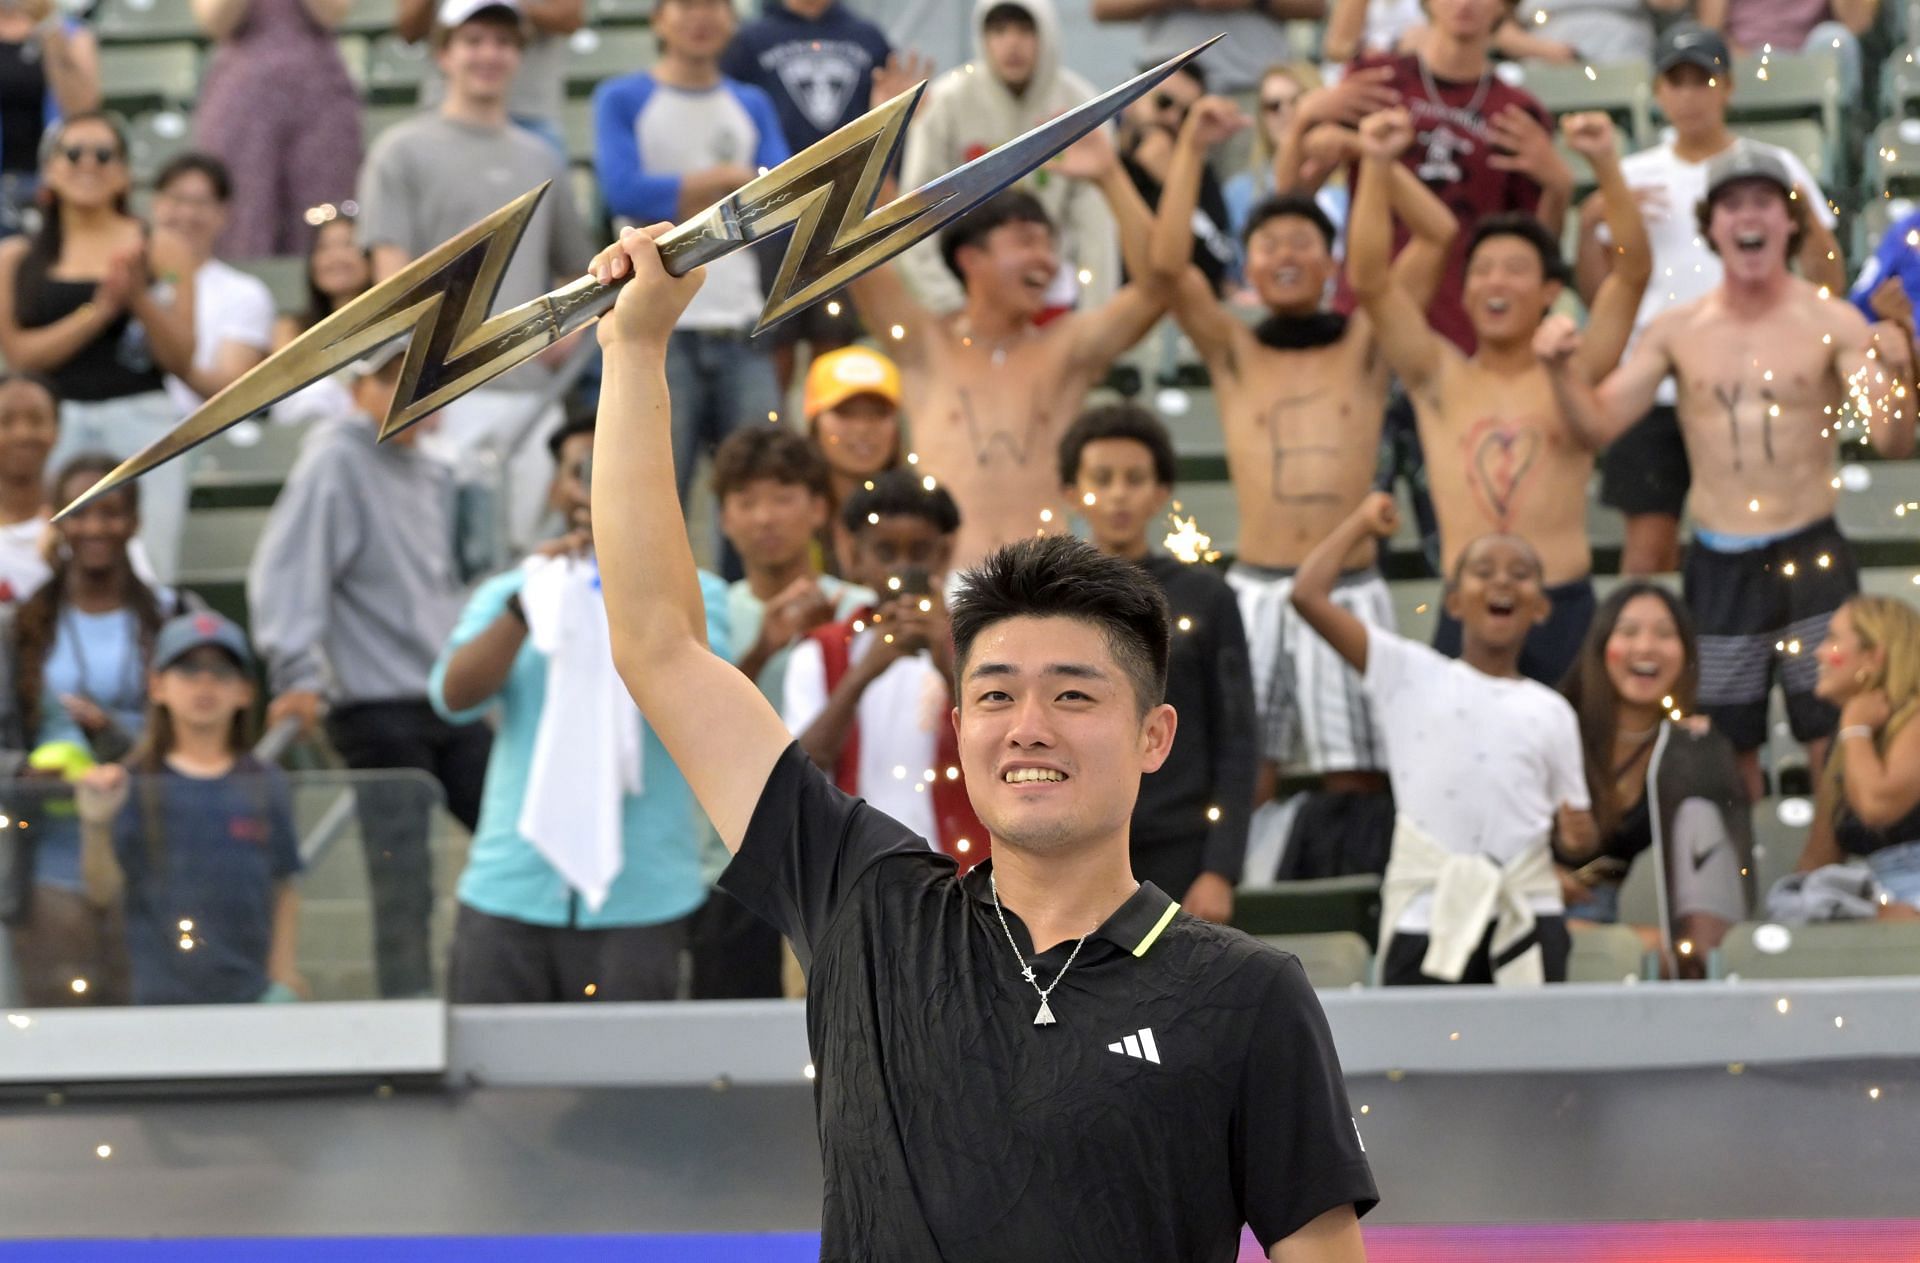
x=1281 y=88
x=93 y=303
x=49 y=66
x=339 y=270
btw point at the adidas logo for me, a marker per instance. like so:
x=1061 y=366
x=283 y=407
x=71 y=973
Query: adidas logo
x=1139 y=1046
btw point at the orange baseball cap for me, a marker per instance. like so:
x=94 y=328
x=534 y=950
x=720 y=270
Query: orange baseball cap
x=839 y=375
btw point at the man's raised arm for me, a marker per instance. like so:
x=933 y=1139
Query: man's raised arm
x=720 y=730
x=1616 y=302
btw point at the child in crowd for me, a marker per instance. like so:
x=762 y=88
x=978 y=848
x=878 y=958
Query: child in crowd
x=198 y=841
x=869 y=696
x=1189 y=831
x=852 y=406
x=1485 y=767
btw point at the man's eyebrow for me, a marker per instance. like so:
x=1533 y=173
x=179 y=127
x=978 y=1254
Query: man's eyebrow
x=1074 y=670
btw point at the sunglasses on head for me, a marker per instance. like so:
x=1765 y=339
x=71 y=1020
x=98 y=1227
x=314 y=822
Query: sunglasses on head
x=102 y=154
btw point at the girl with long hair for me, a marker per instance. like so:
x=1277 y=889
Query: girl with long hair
x=100 y=308
x=1657 y=783
x=339 y=270
x=73 y=688
x=1276 y=126
x=1869 y=799
x=193 y=836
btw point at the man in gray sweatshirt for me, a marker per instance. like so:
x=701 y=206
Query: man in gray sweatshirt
x=353 y=590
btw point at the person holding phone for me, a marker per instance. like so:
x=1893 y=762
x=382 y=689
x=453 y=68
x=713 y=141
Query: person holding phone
x=868 y=696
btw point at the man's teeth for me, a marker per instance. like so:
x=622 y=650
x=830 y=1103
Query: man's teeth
x=1750 y=240
x=1497 y=305
x=1021 y=775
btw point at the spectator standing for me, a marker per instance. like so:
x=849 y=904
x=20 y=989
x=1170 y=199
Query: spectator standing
x=815 y=60
x=1190 y=822
x=1149 y=133
x=1485 y=764
x=1357 y=28
x=540 y=88
x=1277 y=101
x=29 y=426
x=668 y=143
x=278 y=108
x=1637 y=674
x=353 y=591
x=1796 y=26
x=585 y=870
x=437 y=174
x=49 y=67
x=772 y=487
x=94 y=304
x=1869 y=801
x=1645 y=473
x=193 y=838
x=1890 y=282
x=339 y=270
x=869 y=697
x=74 y=661
x=1255 y=31
x=1015 y=83
x=1570 y=32
x=232 y=311
x=852 y=405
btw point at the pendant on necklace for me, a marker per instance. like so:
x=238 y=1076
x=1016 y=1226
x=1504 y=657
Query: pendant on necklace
x=1045 y=1016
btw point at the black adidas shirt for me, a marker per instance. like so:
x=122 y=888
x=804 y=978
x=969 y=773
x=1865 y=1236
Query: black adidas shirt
x=1189 y=1084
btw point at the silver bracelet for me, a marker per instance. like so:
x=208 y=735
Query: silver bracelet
x=1854 y=730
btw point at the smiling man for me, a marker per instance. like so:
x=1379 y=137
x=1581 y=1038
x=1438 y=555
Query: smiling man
x=1058 y=1064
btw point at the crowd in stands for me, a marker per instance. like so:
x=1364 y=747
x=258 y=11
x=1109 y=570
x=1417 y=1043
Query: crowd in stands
x=1377 y=257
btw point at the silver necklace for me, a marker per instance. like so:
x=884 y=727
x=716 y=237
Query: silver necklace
x=1045 y=1016
x=1479 y=93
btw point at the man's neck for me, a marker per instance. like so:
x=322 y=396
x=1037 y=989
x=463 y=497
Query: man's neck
x=200 y=751
x=990 y=323
x=767 y=582
x=96 y=591
x=1756 y=298
x=812 y=10
x=1506 y=358
x=476 y=113
x=1704 y=145
x=1134 y=549
x=678 y=70
x=21 y=500
x=1450 y=57
x=1500 y=663
x=1063 y=896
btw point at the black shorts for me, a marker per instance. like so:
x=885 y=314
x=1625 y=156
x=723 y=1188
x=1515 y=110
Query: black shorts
x=1407 y=951
x=1760 y=615
x=1646 y=470
x=1552 y=646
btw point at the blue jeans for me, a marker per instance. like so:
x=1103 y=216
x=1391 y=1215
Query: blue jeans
x=1897 y=869
x=720 y=380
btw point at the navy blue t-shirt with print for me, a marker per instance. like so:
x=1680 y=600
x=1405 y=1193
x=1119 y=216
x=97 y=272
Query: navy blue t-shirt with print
x=202 y=857
x=819 y=71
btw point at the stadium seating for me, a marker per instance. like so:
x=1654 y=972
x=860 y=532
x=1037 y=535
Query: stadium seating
x=1331 y=960
x=1829 y=949
x=1328 y=905
x=1608 y=953
x=136 y=75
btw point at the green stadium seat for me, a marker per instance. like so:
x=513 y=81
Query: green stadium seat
x=1892 y=165
x=1899 y=82
x=1788 y=85
x=1777 y=845
x=216 y=545
x=155 y=139
x=585 y=187
x=378 y=118
x=576 y=123
x=134 y=75
x=1829 y=949
x=608 y=13
x=286 y=277
x=1639 y=893
x=354 y=53
x=1804 y=139
x=1607 y=953
x=1871 y=224
x=1329 y=905
x=395 y=69
x=1332 y=961
x=607 y=54
x=1622 y=89
x=127 y=21
x=369 y=17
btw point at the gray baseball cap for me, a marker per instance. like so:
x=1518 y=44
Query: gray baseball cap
x=1688 y=44
x=181 y=635
x=1747 y=161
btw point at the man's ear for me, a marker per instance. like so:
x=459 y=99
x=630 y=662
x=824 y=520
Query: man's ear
x=1158 y=729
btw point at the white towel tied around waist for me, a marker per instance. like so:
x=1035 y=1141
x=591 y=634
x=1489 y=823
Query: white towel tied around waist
x=587 y=749
x=1468 y=892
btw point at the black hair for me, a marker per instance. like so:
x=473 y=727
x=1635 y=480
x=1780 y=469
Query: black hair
x=576 y=423
x=900 y=493
x=43 y=252
x=1058 y=576
x=773 y=453
x=9 y=377
x=1012 y=206
x=1194 y=71
x=1289 y=206
x=1528 y=229
x=319 y=305
x=1797 y=214
x=1460 y=563
x=1008 y=10
x=1117 y=421
x=198 y=164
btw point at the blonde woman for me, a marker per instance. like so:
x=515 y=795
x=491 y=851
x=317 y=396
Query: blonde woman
x=1281 y=87
x=1869 y=802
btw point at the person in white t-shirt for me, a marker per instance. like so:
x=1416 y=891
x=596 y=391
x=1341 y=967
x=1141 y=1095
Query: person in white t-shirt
x=1486 y=767
x=1645 y=474
x=29 y=424
x=232 y=311
x=868 y=697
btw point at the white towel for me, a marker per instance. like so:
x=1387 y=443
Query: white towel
x=586 y=753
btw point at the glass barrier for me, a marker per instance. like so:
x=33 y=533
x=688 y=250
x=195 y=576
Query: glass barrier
x=329 y=885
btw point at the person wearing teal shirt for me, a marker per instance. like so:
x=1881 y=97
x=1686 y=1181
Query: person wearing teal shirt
x=524 y=933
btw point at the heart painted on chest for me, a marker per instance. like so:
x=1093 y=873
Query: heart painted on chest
x=1501 y=457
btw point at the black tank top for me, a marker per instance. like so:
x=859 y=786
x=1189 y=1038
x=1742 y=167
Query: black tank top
x=117 y=363
x=23 y=106
x=1857 y=838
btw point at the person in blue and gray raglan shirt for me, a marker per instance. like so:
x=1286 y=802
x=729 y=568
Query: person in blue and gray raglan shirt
x=1896 y=259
